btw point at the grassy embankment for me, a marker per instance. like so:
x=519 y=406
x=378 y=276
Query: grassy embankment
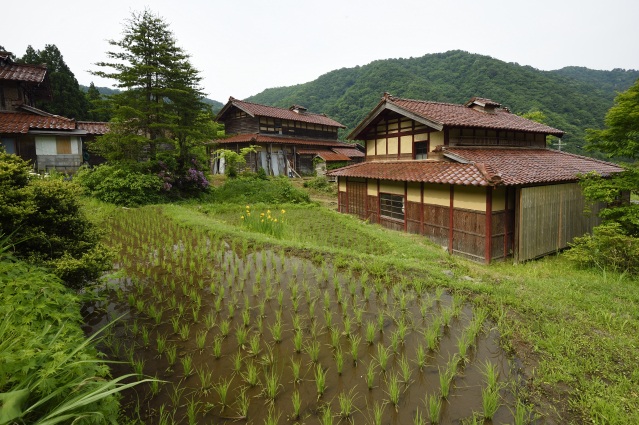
x=575 y=331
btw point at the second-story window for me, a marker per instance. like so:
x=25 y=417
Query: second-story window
x=421 y=150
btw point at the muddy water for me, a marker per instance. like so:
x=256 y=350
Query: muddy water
x=167 y=273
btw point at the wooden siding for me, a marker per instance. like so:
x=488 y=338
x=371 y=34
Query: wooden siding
x=469 y=233
x=356 y=198
x=549 y=218
x=436 y=222
x=241 y=125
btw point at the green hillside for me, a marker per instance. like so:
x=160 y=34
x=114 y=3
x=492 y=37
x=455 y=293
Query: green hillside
x=572 y=98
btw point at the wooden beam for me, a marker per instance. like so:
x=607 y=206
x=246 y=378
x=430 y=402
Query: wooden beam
x=450 y=219
x=489 y=225
x=405 y=206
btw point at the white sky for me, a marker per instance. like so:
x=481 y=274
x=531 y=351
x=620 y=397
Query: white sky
x=244 y=47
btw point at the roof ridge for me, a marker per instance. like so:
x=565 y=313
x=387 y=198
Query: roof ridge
x=393 y=98
x=582 y=156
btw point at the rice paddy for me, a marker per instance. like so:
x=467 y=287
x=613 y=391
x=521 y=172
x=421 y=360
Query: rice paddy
x=242 y=334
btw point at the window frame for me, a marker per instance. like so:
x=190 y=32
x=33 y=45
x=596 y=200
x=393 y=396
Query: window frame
x=389 y=206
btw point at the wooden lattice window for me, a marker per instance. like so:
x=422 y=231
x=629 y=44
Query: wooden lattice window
x=391 y=206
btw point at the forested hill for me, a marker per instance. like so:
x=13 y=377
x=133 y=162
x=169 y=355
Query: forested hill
x=572 y=98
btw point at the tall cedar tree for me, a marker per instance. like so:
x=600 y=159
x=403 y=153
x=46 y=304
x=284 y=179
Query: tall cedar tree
x=161 y=102
x=68 y=99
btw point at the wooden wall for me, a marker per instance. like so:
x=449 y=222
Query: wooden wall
x=549 y=217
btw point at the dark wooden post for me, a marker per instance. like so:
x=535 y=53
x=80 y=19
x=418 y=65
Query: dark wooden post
x=450 y=219
x=489 y=225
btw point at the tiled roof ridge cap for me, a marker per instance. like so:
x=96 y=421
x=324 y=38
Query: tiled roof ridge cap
x=592 y=159
x=486 y=171
x=395 y=98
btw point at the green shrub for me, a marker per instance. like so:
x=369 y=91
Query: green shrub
x=320 y=183
x=607 y=248
x=43 y=219
x=120 y=185
x=252 y=190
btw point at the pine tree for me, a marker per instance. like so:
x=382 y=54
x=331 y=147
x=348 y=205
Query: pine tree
x=161 y=103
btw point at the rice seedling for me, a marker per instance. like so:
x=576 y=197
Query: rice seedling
x=217 y=304
x=419 y=419
x=222 y=390
x=254 y=344
x=237 y=361
x=445 y=381
x=383 y=355
x=251 y=376
x=320 y=380
x=339 y=360
x=404 y=367
x=154 y=386
x=160 y=343
x=393 y=390
x=432 y=335
x=420 y=357
x=296 y=401
x=491 y=374
x=209 y=320
x=176 y=395
x=347 y=326
x=346 y=403
x=447 y=316
x=328 y=319
x=434 y=405
x=358 y=312
x=378 y=413
x=335 y=336
x=243 y=402
x=327 y=301
x=217 y=347
x=268 y=359
x=145 y=337
x=192 y=409
x=370 y=375
x=276 y=331
x=272 y=418
x=395 y=341
x=523 y=414
x=171 y=354
x=463 y=344
x=185 y=330
x=297 y=322
x=298 y=340
x=380 y=321
x=371 y=332
x=439 y=291
x=327 y=416
x=490 y=401
x=187 y=365
x=225 y=328
x=271 y=385
x=195 y=313
x=355 y=340
x=295 y=369
x=313 y=350
x=231 y=309
x=241 y=335
x=138 y=367
x=200 y=339
x=205 y=376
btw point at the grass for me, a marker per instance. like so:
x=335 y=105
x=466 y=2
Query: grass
x=576 y=328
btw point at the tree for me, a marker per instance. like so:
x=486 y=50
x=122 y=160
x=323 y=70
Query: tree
x=162 y=103
x=99 y=107
x=68 y=100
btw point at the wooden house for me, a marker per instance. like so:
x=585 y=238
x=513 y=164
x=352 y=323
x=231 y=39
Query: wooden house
x=288 y=141
x=48 y=141
x=474 y=178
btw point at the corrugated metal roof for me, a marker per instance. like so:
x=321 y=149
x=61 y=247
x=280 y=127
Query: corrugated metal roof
x=255 y=109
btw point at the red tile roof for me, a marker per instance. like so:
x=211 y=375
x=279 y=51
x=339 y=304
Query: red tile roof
x=94 y=127
x=17 y=122
x=439 y=115
x=350 y=152
x=263 y=138
x=22 y=72
x=449 y=114
x=255 y=109
x=519 y=166
x=326 y=155
x=420 y=171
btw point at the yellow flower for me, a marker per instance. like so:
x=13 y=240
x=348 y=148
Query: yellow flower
x=275 y=220
x=283 y=211
x=248 y=207
x=242 y=217
x=248 y=213
x=268 y=211
x=261 y=214
x=262 y=221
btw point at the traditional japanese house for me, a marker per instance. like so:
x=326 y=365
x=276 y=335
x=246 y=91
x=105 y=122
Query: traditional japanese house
x=474 y=178
x=287 y=141
x=48 y=141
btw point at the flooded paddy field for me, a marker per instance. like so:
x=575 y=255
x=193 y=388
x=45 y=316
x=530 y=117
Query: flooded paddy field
x=236 y=334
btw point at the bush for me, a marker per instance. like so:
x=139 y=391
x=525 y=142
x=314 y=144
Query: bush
x=120 y=185
x=44 y=221
x=321 y=184
x=607 y=248
x=252 y=190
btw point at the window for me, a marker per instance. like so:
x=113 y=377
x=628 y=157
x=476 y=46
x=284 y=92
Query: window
x=63 y=145
x=421 y=150
x=391 y=206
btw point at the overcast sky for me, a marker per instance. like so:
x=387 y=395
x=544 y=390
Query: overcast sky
x=243 y=47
